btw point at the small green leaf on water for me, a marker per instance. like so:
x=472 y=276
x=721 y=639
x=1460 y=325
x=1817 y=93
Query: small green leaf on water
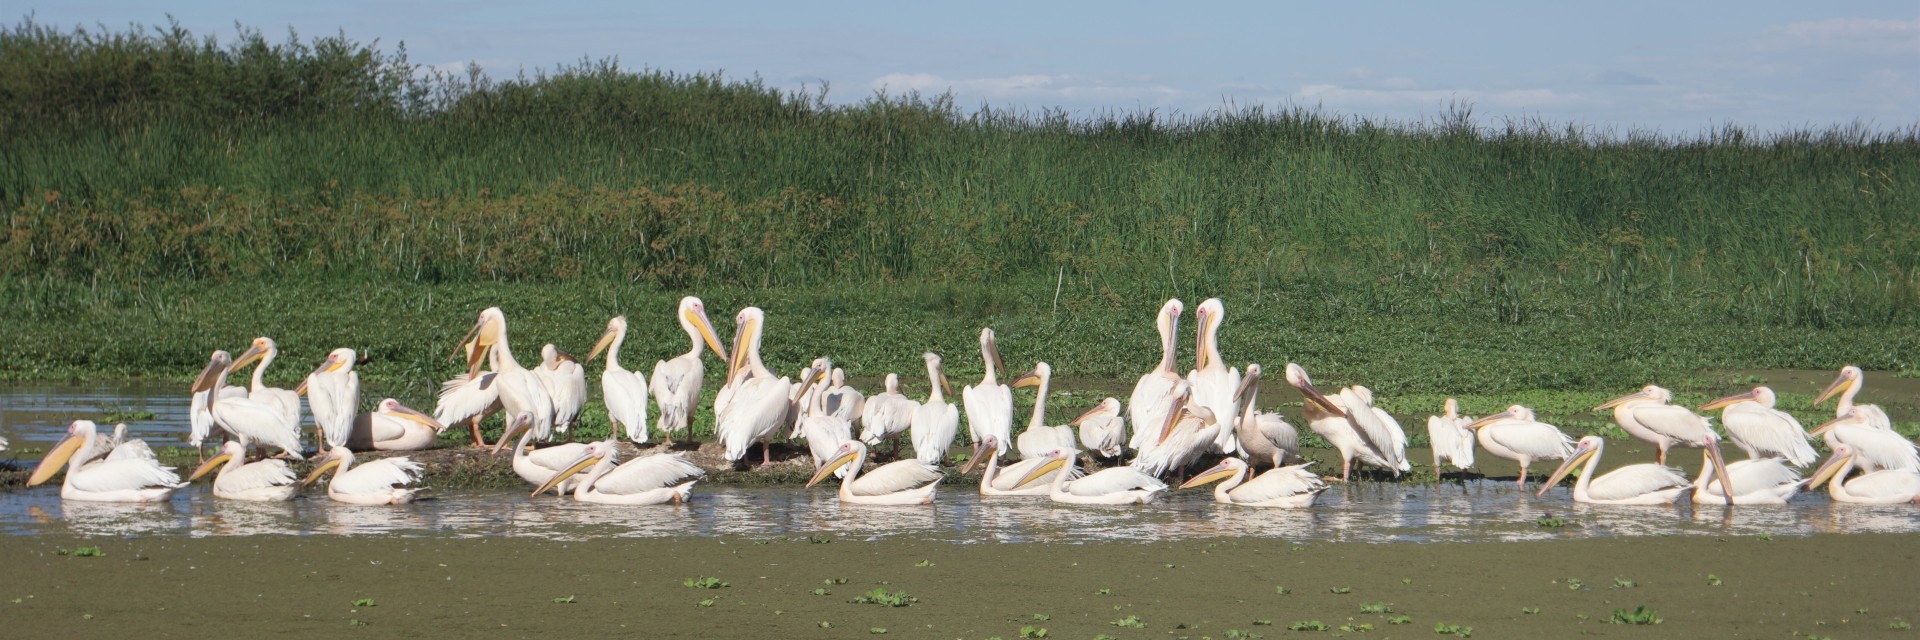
x=1377 y=607
x=563 y=600
x=1031 y=631
x=923 y=563
x=877 y=630
x=363 y=602
x=1130 y=622
x=1340 y=590
x=1530 y=610
x=1042 y=617
x=826 y=625
x=1713 y=580
x=705 y=603
x=1399 y=620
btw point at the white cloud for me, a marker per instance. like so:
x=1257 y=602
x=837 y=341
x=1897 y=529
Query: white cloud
x=1860 y=34
x=1037 y=86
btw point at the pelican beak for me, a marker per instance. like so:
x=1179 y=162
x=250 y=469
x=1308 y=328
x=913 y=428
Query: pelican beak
x=405 y=413
x=563 y=356
x=209 y=465
x=1827 y=471
x=1566 y=468
x=945 y=386
x=1173 y=415
x=327 y=366
x=321 y=470
x=827 y=470
x=1041 y=471
x=1247 y=385
x=1829 y=426
x=1316 y=397
x=1637 y=395
x=993 y=352
x=1097 y=409
x=55 y=459
x=1219 y=472
x=1839 y=384
x=1727 y=401
x=1490 y=420
x=520 y=424
x=739 y=359
x=700 y=323
x=204 y=382
x=1202 y=318
x=979 y=450
x=1720 y=469
x=466 y=340
x=578 y=466
x=1028 y=379
x=248 y=357
x=606 y=340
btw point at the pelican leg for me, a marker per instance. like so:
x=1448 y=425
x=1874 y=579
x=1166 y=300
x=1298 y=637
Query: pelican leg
x=1663 y=455
x=766 y=453
x=1346 y=469
x=1522 y=480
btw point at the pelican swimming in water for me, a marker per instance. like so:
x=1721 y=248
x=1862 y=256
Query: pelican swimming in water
x=392 y=426
x=1761 y=430
x=1265 y=437
x=1153 y=395
x=998 y=481
x=1112 y=486
x=887 y=415
x=520 y=389
x=1886 y=486
x=1450 y=438
x=269 y=480
x=537 y=466
x=1215 y=386
x=1648 y=415
x=333 y=394
x=128 y=479
x=1515 y=435
x=901 y=482
x=1290 y=487
x=660 y=478
x=566 y=384
x=252 y=422
x=1102 y=430
x=625 y=392
x=1763 y=481
x=1634 y=484
x=989 y=404
x=676 y=382
x=1865 y=430
x=382 y=481
x=937 y=421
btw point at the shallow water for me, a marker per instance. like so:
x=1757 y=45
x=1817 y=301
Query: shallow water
x=1474 y=511
x=38 y=414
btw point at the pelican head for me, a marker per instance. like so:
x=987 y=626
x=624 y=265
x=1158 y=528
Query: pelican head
x=933 y=368
x=848 y=452
x=746 y=337
x=521 y=423
x=1041 y=373
x=615 y=328
x=990 y=346
x=1850 y=377
x=1842 y=458
x=893 y=383
x=215 y=366
x=1249 y=382
x=1208 y=316
x=1176 y=406
x=1515 y=412
x=1588 y=447
x=341 y=359
x=1228 y=468
x=393 y=408
x=1297 y=376
x=486 y=332
x=1853 y=416
x=693 y=319
x=1107 y=407
x=228 y=450
x=1648 y=392
x=78 y=433
x=839 y=377
x=1761 y=395
x=596 y=451
x=260 y=348
x=1451 y=408
x=336 y=457
x=984 y=449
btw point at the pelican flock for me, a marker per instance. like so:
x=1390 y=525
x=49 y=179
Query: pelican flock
x=1171 y=424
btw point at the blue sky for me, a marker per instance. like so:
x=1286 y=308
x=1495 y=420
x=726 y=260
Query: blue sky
x=1677 y=67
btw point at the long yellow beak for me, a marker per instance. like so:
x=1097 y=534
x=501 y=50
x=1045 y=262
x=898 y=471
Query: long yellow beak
x=1566 y=468
x=1490 y=419
x=1219 y=472
x=979 y=450
x=741 y=337
x=1727 y=401
x=1829 y=426
x=1828 y=471
x=1200 y=359
x=1839 y=384
x=606 y=340
x=209 y=375
x=1637 y=395
x=248 y=357
x=209 y=465
x=321 y=470
x=519 y=426
x=1720 y=469
x=700 y=323
x=404 y=413
x=831 y=465
x=55 y=460
x=325 y=367
x=993 y=352
x=1319 y=399
x=1028 y=379
x=1173 y=416
x=1041 y=471
x=1247 y=384
x=578 y=466
x=1097 y=409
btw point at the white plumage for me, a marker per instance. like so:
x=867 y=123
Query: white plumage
x=383 y=481
x=936 y=421
x=1288 y=487
x=651 y=479
x=1635 y=484
x=1450 y=438
x=537 y=466
x=989 y=404
x=264 y=351
x=1762 y=431
x=392 y=426
x=521 y=392
x=1340 y=427
x=841 y=400
x=1866 y=430
x=625 y=392
x=1153 y=395
x=269 y=480
x=250 y=421
x=887 y=414
x=130 y=479
x=1265 y=437
x=676 y=382
x=1755 y=481
x=1102 y=430
x=1215 y=386
x=1111 y=486
x=895 y=483
x=1886 y=486
x=333 y=394
x=1515 y=435
x=759 y=403
x=566 y=384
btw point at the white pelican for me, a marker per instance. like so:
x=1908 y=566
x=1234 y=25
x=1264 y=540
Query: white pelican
x=566 y=384
x=1647 y=415
x=268 y=480
x=1038 y=438
x=676 y=382
x=520 y=390
x=997 y=481
x=653 y=479
x=805 y=396
x=1102 y=430
x=1865 y=430
x=471 y=396
x=251 y=421
x=1265 y=437
x=1326 y=417
x=899 y=482
x=937 y=421
x=760 y=403
x=382 y=481
x=1190 y=436
x=264 y=351
x=537 y=466
x=1754 y=481
x=200 y=416
x=333 y=394
x=841 y=400
x=1514 y=435
x=625 y=391
x=1847 y=385
x=1450 y=438
x=823 y=431
x=128 y=479
x=1634 y=484
x=119 y=447
x=1153 y=395
x=989 y=404
x=1113 y=485
x=1762 y=431
x=1886 y=486
x=394 y=427
x=1292 y=487
x=887 y=415
x=1380 y=428
x=1215 y=386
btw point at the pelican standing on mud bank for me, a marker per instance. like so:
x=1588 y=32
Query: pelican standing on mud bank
x=1450 y=438
x=758 y=403
x=887 y=415
x=333 y=394
x=895 y=483
x=625 y=392
x=269 y=480
x=1153 y=395
x=1648 y=416
x=392 y=426
x=676 y=383
x=471 y=396
x=200 y=422
x=1334 y=424
x=1634 y=484
x=1265 y=437
x=989 y=404
x=566 y=384
x=126 y=479
x=1215 y=386
x=250 y=421
x=1102 y=430
x=520 y=390
x=936 y=422
x=652 y=479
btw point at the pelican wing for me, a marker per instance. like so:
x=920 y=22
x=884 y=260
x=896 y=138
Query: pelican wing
x=933 y=429
x=1635 y=480
x=334 y=399
x=1373 y=432
x=759 y=407
x=1278 y=431
x=1537 y=440
x=844 y=403
x=626 y=395
x=122 y=475
x=1039 y=441
x=1443 y=436
x=1886 y=484
x=1761 y=431
x=257 y=475
x=287 y=402
x=464 y=397
x=1148 y=407
x=989 y=412
x=1284 y=482
x=199 y=418
x=1755 y=475
x=1114 y=480
x=377 y=476
x=886 y=414
x=647 y=473
x=676 y=387
x=1104 y=434
x=1008 y=477
x=1672 y=421
x=256 y=421
x=566 y=387
x=558 y=456
x=132 y=450
x=894 y=477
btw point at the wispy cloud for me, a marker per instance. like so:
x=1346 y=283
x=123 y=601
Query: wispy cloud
x=1032 y=86
x=1858 y=34
x=1621 y=78
x=1338 y=95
